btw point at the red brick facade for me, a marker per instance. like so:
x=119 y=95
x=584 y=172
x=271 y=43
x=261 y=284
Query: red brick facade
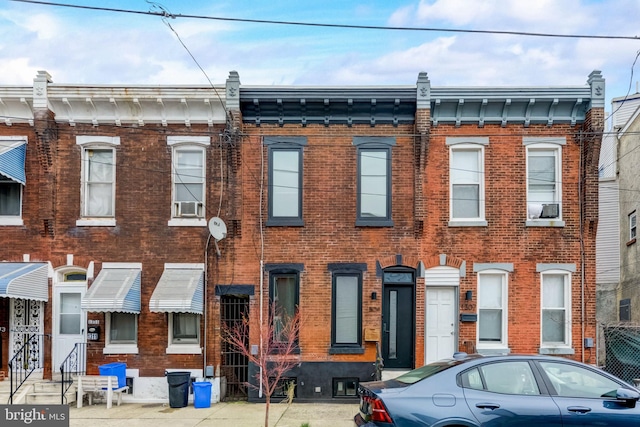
x=237 y=173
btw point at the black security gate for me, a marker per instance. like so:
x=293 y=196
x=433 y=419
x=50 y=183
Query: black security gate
x=235 y=366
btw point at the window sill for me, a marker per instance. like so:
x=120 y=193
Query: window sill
x=120 y=349
x=282 y=350
x=468 y=223
x=285 y=222
x=11 y=221
x=106 y=222
x=545 y=223
x=187 y=222
x=184 y=349
x=556 y=350
x=374 y=223
x=346 y=350
x=631 y=242
x=493 y=350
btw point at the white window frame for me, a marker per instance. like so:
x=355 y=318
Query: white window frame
x=178 y=143
x=536 y=145
x=504 y=307
x=187 y=347
x=111 y=347
x=89 y=142
x=474 y=144
x=566 y=276
x=632 y=225
x=13 y=219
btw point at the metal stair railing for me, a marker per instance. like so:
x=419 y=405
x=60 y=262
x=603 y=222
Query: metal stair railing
x=27 y=359
x=73 y=365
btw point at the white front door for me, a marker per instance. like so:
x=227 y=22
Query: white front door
x=440 y=332
x=69 y=326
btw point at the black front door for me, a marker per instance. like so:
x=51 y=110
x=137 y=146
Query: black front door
x=398 y=327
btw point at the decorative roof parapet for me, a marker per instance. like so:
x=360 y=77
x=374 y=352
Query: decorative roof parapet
x=596 y=81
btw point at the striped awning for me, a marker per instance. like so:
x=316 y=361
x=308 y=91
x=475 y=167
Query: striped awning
x=26 y=280
x=115 y=289
x=179 y=290
x=12 y=156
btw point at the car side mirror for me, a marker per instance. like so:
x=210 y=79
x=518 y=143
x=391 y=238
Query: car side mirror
x=630 y=397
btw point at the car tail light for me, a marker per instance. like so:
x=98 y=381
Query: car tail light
x=377 y=410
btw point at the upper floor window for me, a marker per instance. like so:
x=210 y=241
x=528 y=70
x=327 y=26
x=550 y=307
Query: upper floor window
x=466 y=176
x=374 y=181
x=285 y=180
x=12 y=178
x=98 y=179
x=632 y=226
x=544 y=181
x=188 y=172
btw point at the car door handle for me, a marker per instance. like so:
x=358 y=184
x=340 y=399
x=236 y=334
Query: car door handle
x=579 y=409
x=484 y=405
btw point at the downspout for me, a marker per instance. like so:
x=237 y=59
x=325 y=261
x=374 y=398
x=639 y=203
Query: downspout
x=261 y=259
x=582 y=254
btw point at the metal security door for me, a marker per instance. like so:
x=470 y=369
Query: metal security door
x=397 y=327
x=235 y=365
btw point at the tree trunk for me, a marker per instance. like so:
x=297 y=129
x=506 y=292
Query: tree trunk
x=266 y=410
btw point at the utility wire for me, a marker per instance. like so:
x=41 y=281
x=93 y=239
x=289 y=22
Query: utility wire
x=166 y=14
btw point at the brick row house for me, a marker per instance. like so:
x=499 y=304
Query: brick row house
x=404 y=223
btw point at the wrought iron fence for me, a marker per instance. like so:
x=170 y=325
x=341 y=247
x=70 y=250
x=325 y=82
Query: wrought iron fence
x=622 y=351
x=73 y=365
x=25 y=360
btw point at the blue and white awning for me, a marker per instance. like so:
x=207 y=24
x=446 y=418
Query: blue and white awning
x=179 y=290
x=26 y=280
x=115 y=289
x=12 y=157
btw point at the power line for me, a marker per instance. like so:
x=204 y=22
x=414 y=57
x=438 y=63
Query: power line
x=166 y=14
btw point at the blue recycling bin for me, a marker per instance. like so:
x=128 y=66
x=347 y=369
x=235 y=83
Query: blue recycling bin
x=118 y=369
x=201 y=394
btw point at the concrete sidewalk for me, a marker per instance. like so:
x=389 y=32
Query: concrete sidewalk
x=232 y=414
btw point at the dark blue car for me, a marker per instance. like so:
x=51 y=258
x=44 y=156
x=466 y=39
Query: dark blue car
x=475 y=390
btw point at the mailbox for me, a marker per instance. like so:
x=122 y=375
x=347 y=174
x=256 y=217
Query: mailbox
x=93 y=333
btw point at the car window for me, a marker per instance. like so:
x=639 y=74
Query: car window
x=576 y=381
x=503 y=377
x=426 y=371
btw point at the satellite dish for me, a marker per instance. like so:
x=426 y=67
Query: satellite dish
x=217 y=228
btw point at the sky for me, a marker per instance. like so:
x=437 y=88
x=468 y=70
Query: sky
x=80 y=46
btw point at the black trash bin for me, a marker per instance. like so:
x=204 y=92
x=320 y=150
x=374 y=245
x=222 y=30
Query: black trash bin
x=178 y=388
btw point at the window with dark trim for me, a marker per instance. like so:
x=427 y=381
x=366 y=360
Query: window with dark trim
x=374 y=181
x=284 y=296
x=346 y=307
x=345 y=387
x=285 y=180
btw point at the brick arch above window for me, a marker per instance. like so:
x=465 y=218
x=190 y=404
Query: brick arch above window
x=399 y=260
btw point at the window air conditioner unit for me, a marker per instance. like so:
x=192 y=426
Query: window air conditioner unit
x=551 y=210
x=188 y=209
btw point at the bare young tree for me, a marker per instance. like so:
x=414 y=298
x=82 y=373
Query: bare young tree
x=277 y=354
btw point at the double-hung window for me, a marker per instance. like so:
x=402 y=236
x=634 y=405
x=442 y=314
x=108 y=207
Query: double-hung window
x=346 y=307
x=184 y=328
x=374 y=181
x=493 y=301
x=13 y=151
x=544 y=180
x=285 y=180
x=188 y=172
x=632 y=226
x=466 y=176
x=555 y=309
x=98 y=179
x=122 y=329
x=284 y=297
